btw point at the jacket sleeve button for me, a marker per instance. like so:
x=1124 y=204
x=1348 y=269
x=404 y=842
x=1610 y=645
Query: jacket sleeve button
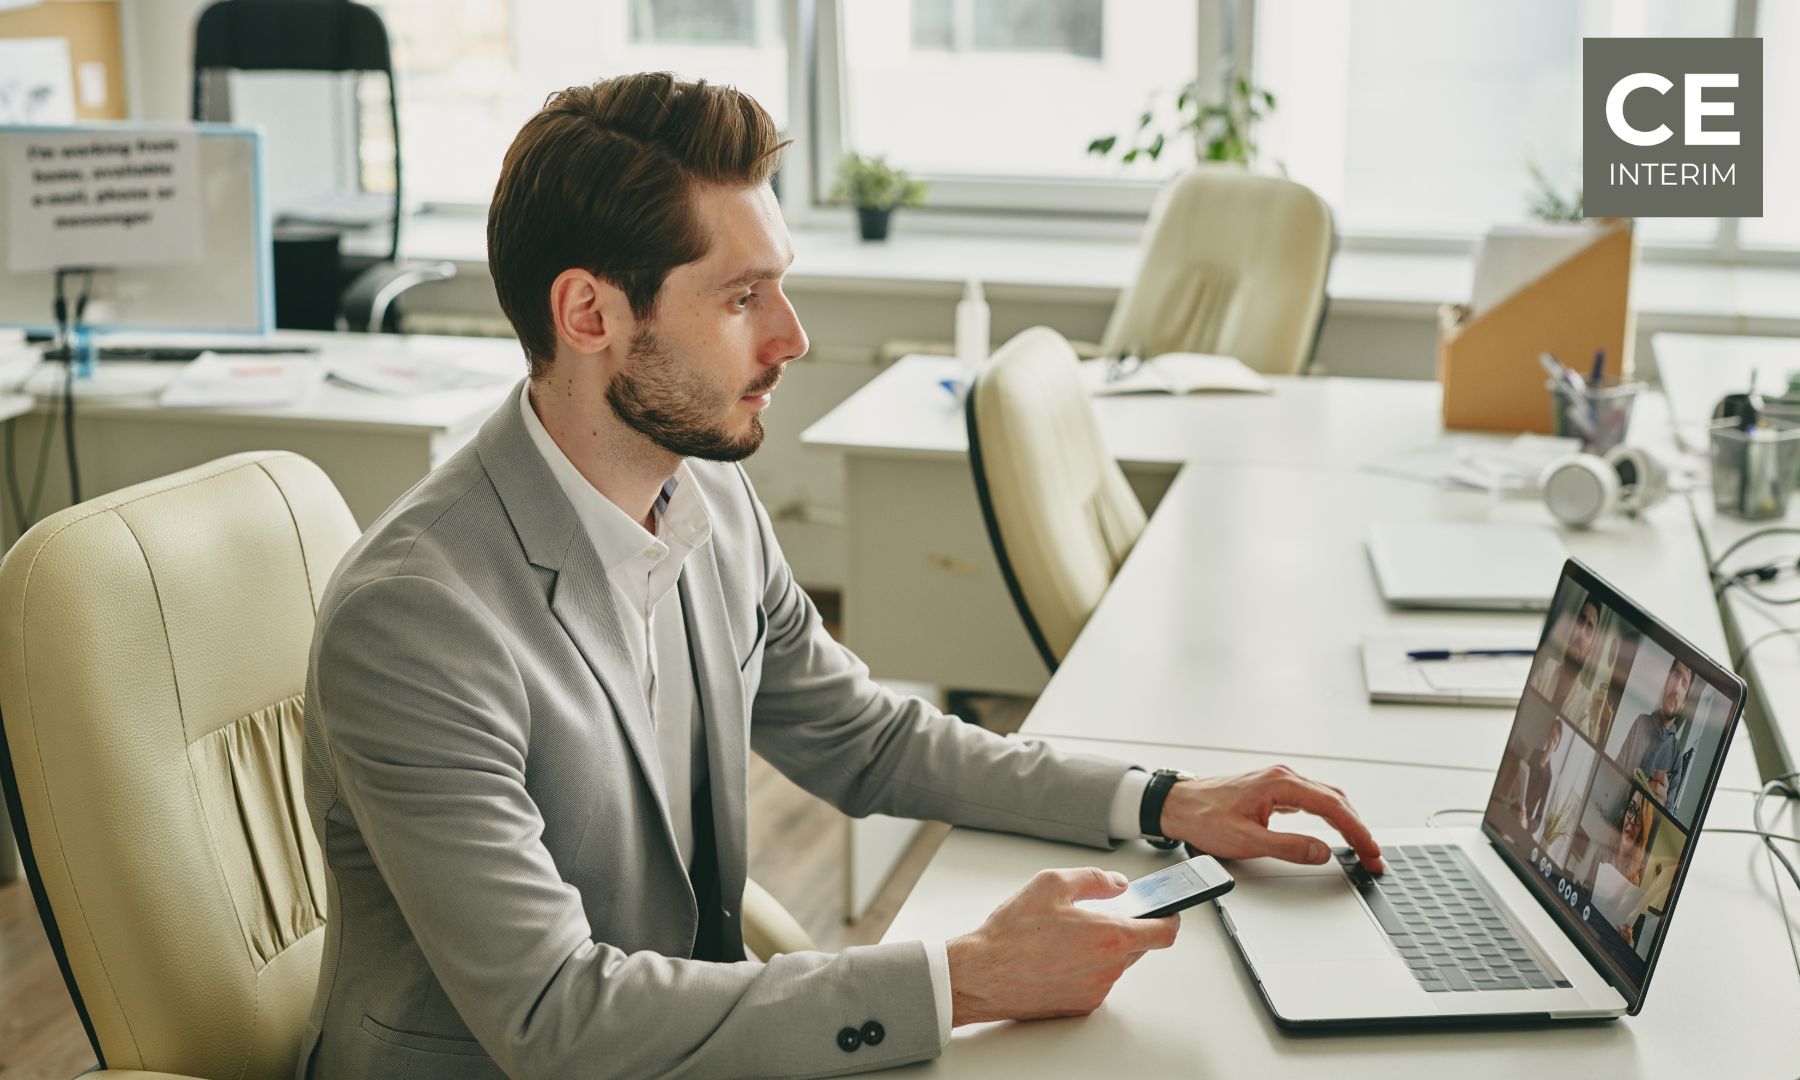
x=849 y=1039
x=873 y=1033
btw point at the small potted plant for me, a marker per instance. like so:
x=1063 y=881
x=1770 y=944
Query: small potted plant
x=876 y=188
x=1221 y=128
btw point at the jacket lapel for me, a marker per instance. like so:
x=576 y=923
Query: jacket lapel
x=723 y=712
x=581 y=597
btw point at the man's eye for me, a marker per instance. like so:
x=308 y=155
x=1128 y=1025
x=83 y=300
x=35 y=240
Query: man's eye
x=744 y=300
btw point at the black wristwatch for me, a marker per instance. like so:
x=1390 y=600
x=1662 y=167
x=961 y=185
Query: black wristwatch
x=1150 y=810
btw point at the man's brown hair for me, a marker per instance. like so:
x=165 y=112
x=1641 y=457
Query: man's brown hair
x=602 y=179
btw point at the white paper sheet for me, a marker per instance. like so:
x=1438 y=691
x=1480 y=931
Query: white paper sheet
x=212 y=381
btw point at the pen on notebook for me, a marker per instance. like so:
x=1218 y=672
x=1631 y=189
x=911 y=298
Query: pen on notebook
x=1455 y=654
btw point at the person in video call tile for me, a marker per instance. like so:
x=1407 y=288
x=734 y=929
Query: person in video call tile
x=1632 y=840
x=1653 y=745
x=1561 y=682
x=1535 y=782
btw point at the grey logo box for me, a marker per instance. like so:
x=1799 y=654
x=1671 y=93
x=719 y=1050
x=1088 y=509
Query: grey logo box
x=1675 y=177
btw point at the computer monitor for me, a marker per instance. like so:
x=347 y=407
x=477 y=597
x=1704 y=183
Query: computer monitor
x=229 y=290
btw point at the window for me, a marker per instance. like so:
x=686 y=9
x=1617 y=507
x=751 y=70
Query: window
x=1415 y=117
x=1779 y=227
x=995 y=101
x=472 y=71
x=1009 y=89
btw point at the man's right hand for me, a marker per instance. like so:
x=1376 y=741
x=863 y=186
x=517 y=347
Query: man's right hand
x=1038 y=955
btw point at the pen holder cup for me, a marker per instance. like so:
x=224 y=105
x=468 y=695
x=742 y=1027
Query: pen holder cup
x=1599 y=416
x=1753 y=471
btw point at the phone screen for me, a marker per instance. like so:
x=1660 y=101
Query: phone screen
x=1169 y=889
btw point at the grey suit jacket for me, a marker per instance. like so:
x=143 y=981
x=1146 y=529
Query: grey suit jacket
x=505 y=891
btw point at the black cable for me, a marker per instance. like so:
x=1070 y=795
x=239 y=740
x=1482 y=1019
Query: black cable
x=69 y=430
x=1744 y=653
x=1744 y=579
x=67 y=328
x=1778 y=785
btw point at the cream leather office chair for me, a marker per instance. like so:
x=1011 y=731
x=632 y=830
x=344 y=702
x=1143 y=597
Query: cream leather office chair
x=153 y=649
x=1234 y=263
x=1058 y=508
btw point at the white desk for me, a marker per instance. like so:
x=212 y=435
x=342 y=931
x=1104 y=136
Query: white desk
x=373 y=446
x=924 y=599
x=1235 y=622
x=1697 y=370
x=1721 y=1002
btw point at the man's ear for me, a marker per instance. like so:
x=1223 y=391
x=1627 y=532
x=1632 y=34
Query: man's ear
x=587 y=312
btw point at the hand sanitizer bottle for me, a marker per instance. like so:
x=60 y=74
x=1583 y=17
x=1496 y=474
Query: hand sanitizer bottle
x=971 y=329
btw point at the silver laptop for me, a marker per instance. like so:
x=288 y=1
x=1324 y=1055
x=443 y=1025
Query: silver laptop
x=1466 y=565
x=1558 y=905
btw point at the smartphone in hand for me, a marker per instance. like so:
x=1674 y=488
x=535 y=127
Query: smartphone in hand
x=1171 y=889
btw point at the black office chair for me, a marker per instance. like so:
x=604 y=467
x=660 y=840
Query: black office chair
x=316 y=287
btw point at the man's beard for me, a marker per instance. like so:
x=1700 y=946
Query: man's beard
x=671 y=407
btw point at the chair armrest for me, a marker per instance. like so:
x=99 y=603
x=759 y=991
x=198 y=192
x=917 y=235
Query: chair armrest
x=364 y=304
x=134 y=1074
x=769 y=929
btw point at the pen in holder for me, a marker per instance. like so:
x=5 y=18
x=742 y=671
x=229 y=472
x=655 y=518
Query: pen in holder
x=1597 y=415
x=1753 y=467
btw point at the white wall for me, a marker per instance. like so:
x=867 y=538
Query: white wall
x=159 y=56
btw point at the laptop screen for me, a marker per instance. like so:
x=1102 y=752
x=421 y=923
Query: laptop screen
x=1614 y=753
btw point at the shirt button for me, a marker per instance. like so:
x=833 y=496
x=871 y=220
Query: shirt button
x=849 y=1039
x=652 y=553
x=873 y=1033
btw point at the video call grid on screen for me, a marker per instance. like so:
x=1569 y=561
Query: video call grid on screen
x=1613 y=753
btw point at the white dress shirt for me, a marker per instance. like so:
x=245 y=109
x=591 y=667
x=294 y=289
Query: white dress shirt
x=643 y=568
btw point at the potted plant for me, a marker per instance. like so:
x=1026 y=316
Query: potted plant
x=1222 y=129
x=875 y=188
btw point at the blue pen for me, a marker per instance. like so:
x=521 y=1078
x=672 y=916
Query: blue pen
x=1457 y=654
x=1599 y=367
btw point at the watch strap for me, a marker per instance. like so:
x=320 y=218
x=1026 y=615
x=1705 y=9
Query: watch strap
x=1150 y=810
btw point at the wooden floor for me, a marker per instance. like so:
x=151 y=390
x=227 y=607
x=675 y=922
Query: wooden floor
x=797 y=846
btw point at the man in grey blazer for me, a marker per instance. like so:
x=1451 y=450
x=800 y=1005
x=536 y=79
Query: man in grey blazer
x=536 y=680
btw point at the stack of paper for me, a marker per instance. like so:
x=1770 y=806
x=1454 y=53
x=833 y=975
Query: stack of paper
x=404 y=377
x=1174 y=373
x=212 y=381
x=1513 y=256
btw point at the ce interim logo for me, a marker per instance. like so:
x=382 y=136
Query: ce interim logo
x=1672 y=127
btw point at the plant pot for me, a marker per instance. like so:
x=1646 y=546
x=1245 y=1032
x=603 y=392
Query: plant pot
x=873 y=222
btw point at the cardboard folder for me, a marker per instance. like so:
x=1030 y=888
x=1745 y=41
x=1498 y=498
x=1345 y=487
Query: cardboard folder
x=1488 y=360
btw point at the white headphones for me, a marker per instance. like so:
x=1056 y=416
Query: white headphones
x=1582 y=488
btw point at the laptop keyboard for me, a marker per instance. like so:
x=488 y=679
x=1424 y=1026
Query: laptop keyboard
x=1444 y=922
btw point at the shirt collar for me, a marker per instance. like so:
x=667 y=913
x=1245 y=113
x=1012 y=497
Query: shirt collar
x=683 y=522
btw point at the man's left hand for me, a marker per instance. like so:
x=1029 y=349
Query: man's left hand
x=1228 y=817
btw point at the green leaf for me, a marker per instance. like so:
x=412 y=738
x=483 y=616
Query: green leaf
x=1156 y=146
x=1144 y=120
x=1130 y=156
x=1103 y=145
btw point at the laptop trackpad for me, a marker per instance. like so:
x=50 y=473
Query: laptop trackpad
x=1304 y=917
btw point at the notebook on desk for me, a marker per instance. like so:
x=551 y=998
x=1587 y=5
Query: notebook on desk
x=1172 y=373
x=1394 y=676
x=1466 y=565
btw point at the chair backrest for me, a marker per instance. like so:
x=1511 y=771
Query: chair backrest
x=153 y=648
x=1057 y=506
x=1234 y=263
x=294 y=35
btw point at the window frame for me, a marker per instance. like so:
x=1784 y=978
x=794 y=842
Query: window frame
x=1086 y=208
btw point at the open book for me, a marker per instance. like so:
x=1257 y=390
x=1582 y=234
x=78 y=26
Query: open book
x=1174 y=373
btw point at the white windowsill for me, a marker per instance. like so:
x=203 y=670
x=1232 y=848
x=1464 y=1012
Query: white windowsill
x=1698 y=296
